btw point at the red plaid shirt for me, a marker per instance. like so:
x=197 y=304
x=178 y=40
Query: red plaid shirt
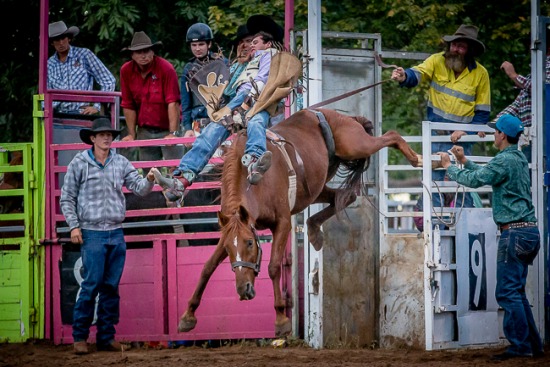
x=521 y=107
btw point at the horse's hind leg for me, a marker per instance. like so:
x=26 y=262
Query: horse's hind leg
x=353 y=143
x=314 y=222
x=188 y=319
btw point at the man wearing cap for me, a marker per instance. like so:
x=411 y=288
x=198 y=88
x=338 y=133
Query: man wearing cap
x=94 y=207
x=514 y=214
x=459 y=89
x=75 y=68
x=150 y=98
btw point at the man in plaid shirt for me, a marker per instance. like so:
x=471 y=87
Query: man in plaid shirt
x=521 y=106
x=75 y=68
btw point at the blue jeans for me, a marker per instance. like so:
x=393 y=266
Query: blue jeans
x=214 y=134
x=255 y=130
x=203 y=149
x=517 y=249
x=103 y=255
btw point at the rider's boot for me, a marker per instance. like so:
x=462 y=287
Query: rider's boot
x=173 y=187
x=256 y=166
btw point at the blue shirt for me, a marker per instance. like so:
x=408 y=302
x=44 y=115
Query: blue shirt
x=78 y=72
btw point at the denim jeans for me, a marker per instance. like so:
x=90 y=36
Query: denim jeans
x=517 y=249
x=103 y=255
x=255 y=130
x=214 y=134
x=203 y=149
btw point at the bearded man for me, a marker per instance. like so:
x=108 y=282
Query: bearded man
x=459 y=91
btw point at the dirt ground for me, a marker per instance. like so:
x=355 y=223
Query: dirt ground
x=46 y=354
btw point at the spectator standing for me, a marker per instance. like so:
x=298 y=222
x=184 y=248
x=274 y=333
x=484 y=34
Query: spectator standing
x=75 y=68
x=150 y=98
x=199 y=37
x=94 y=207
x=459 y=90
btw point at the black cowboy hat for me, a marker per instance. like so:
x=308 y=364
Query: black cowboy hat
x=469 y=34
x=58 y=29
x=242 y=32
x=259 y=22
x=101 y=124
x=141 y=41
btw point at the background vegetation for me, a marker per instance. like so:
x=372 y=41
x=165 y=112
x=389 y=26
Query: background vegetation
x=108 y=25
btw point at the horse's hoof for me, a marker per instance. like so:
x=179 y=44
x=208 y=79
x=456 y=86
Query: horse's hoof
x=283 y=330
x=420 y=161
x=315 y=238
x=187 y=323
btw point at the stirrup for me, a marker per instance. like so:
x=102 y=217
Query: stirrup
x=172 y=188
x=258 y=167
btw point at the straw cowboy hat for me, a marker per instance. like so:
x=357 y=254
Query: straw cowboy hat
x=101 y=124
x=259 y=22
x=59 y=29
x=469 y=34
x=141 y=41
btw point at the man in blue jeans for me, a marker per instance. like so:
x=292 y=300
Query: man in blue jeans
x=94 y=207
x=514 y=214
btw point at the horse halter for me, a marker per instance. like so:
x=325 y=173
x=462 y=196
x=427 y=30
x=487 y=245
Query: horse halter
x=254 y=266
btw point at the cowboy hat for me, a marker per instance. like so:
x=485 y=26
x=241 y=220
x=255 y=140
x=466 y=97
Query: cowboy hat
x=242 y=32
x=260 y=22
x=101 y=124
x=141 y=41
x=59 y=29
x=468 y=33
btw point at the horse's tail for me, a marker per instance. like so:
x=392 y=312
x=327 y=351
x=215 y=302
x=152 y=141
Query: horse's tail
x=354 y=169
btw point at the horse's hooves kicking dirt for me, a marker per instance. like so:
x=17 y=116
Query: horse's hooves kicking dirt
x=187 y=323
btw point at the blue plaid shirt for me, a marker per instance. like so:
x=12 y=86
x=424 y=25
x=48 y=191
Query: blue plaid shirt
x=78 y=72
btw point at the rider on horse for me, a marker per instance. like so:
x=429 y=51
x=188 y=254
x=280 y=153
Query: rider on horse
x=254 y=78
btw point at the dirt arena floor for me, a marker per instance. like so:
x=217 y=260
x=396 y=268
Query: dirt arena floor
x=45 y=354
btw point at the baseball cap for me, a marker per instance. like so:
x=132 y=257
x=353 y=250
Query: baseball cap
x=508 y=124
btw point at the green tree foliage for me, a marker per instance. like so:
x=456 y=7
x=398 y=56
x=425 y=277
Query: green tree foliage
x=414 y=25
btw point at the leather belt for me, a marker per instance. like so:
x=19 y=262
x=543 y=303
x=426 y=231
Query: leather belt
x=513 y=225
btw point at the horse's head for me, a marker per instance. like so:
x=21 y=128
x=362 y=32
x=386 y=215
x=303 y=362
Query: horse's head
x=241 y=242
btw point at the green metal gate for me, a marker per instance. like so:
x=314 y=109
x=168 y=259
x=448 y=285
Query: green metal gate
x=21 y=227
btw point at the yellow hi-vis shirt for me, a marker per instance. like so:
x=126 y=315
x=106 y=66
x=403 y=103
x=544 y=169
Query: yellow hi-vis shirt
x=454 y=99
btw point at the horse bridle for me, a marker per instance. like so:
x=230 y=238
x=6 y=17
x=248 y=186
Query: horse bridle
x=254 y=266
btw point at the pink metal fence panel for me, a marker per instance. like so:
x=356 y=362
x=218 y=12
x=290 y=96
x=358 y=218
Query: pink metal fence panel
x=161 y=271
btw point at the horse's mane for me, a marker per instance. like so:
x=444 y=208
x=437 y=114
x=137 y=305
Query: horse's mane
x=231 y=177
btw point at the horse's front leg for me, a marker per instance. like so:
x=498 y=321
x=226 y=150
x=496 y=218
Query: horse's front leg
x=188 y=319
x=283 y=326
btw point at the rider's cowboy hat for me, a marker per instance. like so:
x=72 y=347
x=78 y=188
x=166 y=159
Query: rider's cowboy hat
x=99 y=125
x=242 y=32
x=469 y=34
x=260 y=22
x=141 y=41
x=60 y=29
